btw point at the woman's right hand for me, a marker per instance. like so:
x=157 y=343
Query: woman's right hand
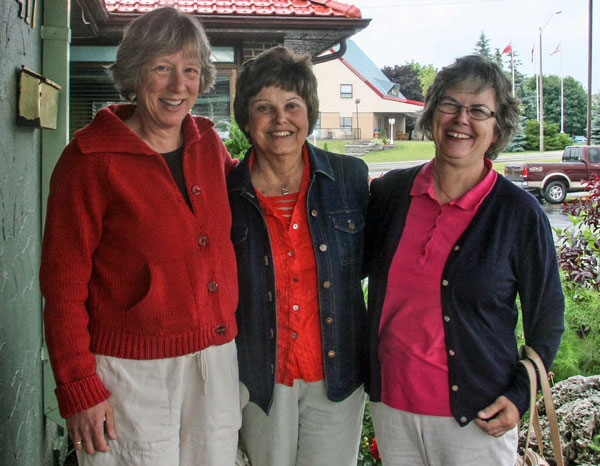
x=86 y=428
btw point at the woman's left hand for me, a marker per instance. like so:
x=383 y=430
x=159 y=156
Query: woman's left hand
x=499 y=417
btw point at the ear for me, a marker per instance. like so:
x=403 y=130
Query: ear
x=495 y=138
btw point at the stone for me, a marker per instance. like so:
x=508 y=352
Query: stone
x=577 y=405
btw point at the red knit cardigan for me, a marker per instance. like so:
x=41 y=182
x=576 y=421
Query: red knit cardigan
x=128 y=270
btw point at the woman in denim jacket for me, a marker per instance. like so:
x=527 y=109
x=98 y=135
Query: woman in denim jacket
x=298 y=232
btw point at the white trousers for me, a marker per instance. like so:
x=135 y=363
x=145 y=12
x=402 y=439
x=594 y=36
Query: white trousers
x=182 y=411
x=304 y=428
x=407 y=439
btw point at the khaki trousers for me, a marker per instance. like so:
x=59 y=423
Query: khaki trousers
x=407 y=439
x=182 y=411
x=304 y=428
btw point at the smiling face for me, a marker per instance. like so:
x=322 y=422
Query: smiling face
x=459 y=139
x=168 y=87
x=278 y=122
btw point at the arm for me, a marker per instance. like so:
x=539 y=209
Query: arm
x=76 y=205
x=542 y=307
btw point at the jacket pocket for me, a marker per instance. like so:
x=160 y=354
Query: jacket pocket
x=169 y=301
x=349 y=227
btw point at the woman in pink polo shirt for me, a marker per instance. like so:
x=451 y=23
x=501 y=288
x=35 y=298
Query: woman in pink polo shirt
x=450 y=245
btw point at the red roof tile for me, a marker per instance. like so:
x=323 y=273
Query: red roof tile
x=240 y=7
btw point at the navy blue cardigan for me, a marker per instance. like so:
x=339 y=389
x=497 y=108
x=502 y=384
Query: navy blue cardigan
x=506 y=249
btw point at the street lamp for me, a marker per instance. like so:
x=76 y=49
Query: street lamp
x=357 y=101
x=542 y=84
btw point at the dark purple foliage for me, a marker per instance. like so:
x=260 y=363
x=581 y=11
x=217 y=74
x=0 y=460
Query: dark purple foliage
x=579 y=246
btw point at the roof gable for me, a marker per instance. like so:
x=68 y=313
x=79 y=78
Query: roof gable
x=361 y=65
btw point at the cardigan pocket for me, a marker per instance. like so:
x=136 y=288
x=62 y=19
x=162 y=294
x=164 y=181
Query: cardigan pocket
x=168 y=303
x=349 y=229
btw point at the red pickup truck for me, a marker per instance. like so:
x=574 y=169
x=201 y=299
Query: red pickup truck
x=554 y=180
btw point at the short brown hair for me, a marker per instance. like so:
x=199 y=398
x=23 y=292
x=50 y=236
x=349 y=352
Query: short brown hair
x=164 y=31
x=485 y=74
x=279 y=67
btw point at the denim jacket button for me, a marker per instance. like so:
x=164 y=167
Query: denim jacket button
x=326 y=284
x=272 y=333
x=322 y=247
x=331 y=354
x=329 y=320
x=314 y=212
x=463 y=419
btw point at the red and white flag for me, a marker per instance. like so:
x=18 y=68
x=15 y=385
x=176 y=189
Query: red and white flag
x=507 y=49
x=556 y=50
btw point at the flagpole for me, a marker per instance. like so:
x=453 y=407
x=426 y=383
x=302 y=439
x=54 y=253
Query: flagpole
x=558 y=49
x=512 y=60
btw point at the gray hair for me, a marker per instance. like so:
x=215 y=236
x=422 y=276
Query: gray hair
x=280 y=67
x=484 y=74
x=164 y=31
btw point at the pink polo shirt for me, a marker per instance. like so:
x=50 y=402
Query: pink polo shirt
x=412 y=347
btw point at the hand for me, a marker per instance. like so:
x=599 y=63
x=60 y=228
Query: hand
x=499 y=417
x=86 y=428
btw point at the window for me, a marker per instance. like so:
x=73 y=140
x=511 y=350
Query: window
x=346 y=122
x=346 y=91
x=594 y=154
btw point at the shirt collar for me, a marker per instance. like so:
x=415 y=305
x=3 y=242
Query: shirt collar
x=471 y=200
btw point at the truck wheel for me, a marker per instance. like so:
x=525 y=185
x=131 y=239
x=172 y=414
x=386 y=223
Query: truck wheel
x=555 y=192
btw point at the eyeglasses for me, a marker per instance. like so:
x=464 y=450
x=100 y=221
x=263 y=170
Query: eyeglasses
x=476 y=112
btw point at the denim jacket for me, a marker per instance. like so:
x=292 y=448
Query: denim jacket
x=337 y=205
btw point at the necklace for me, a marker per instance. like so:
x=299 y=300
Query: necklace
x=285 y=189
x=436 y=176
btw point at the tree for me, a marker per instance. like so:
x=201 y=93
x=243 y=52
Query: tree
x=498 y=59
x=575 y=101
x=482 y=47
x=426 y=73
x=519 y=139
x=408 y=79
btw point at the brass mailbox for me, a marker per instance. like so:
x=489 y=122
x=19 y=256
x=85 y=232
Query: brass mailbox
x=38 y=100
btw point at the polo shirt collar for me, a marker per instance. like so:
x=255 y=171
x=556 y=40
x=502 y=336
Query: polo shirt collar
x=471 y=200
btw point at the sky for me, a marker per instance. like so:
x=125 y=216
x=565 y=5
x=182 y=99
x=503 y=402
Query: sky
x=437 y=32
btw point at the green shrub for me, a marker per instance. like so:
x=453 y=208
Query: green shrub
x=237 y=144
x=365 y=452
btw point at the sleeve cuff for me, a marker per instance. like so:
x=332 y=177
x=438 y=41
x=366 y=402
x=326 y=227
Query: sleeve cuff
x=80 y=395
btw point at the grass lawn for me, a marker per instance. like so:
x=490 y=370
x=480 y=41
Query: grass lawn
x=407 y=150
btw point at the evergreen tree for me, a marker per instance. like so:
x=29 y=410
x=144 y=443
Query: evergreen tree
x=519 y=139
x=498 y=59
x=482 y=47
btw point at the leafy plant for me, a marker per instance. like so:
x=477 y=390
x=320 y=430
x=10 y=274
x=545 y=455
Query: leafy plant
x=579 y=246
x=368 y=455
x=237 y=144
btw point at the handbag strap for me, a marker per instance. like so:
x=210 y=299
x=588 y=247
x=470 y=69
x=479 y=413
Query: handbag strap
x=532 y=406
x=530 y=354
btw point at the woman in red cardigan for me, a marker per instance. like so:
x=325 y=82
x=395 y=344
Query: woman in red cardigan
x=138 y=270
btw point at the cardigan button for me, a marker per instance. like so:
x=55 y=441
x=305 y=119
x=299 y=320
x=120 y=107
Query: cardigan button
x=295 y=307
x=454 y=388
x=314 y=212
x=203 y=240
x=326 y=284
x=294 y=335
x=322 y=247
x=221 y=330
x=212 y=286
x=331 y=354
x=196 y=190
x=295 y=226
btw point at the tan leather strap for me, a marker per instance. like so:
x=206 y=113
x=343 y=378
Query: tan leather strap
x=529 y=353
x=532 y=407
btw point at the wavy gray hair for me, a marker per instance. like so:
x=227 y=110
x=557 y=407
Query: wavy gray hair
x=164 y=31
x=483 y=74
